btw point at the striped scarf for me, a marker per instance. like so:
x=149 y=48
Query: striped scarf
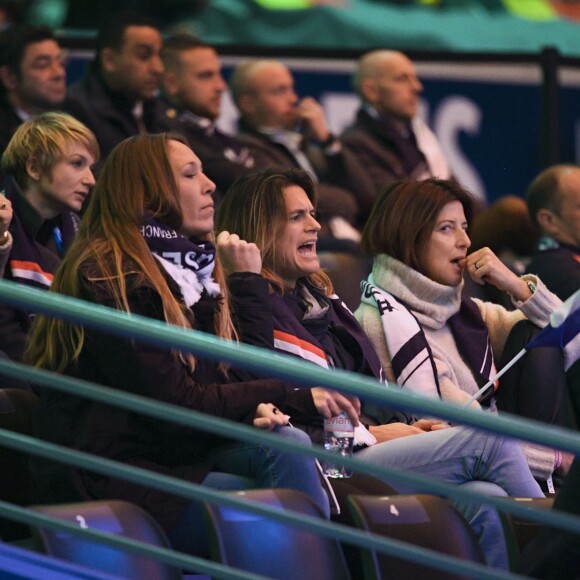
x=411 y=356
x=190 y=264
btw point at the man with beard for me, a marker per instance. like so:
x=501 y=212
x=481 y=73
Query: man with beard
x=193 y=87
x=117 y=97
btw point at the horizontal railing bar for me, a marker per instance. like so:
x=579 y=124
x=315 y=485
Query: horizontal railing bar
x=199 y=492
x=282 y=366
x=165 y=555
x=219 y=426
x=141 y=328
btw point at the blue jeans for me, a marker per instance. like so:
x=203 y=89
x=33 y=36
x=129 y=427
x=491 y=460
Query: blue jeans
x=245 y=466
x=482 y=462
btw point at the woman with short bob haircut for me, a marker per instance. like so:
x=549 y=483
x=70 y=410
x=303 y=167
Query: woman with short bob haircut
x=275 y=210
x=145 y=247
x=39 y=143
x=417 y=235
x=402 y=224
x=48 y=167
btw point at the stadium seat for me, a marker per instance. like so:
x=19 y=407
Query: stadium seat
x=114 y=517
x=16 y=409
x=519 y=531
x=423 y=520
x=259 y=545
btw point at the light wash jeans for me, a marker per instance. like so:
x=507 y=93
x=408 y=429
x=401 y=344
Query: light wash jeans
x=246 y=466
x=479 y=461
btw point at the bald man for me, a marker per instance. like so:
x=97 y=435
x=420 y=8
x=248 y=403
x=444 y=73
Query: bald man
x=282 y=130
x=388 y=138
x=553 y=201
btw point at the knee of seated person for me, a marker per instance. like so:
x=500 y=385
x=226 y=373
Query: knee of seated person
x=485 y=488
x=512 y=452
x=294 y=434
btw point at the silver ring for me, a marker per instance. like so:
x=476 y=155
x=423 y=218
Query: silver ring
x=477 y=266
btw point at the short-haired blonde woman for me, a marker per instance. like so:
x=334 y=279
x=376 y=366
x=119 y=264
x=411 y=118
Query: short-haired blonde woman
x=48 y=177
x=145 y=246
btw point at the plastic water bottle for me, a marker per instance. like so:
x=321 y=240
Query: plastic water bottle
x=338 y=441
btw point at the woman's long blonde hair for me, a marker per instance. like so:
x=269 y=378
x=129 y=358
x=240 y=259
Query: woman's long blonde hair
x=254 y=208
x=136 y=184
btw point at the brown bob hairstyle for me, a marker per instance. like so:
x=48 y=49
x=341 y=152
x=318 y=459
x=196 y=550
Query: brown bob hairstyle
x=404 y=216
x=254 y=208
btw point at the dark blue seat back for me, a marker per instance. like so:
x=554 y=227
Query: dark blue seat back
x=423 y=520
x=114 y=517
x=259 y=545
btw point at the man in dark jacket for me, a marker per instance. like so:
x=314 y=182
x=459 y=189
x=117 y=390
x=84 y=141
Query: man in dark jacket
x=117 y=97
x=32 y=77
x=193 y=87
x=553 y=201
x=388 y=138
x=282 y=130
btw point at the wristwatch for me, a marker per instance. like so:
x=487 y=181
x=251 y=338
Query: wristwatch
x=531 y=285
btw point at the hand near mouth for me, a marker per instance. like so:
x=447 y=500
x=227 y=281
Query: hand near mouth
x=485 y=267
x=311 y=113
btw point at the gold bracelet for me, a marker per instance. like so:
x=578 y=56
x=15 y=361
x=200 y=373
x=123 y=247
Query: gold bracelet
x=4 y=239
